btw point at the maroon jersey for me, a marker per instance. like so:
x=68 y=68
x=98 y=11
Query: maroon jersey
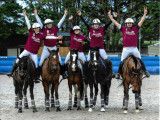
x=130 y=36
x=50 y=32
x=76 y=41
x=34 y=41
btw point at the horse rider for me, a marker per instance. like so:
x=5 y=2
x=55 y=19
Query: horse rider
x=130 y=40
x=51 y=32
x=32 y=45
x=96 y=34
x=76 y=43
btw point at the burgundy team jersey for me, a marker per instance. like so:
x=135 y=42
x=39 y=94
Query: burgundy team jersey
x=34 y=41
x=97 y=37
x=76 y=41
x=50 y=32
x=130 y=36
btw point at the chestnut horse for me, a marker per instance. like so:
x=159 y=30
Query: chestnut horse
x=50 y=77
x=22 y=78
x=75 y=79
x=132 y=74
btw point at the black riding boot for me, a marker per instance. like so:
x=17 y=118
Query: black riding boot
x=65 y=75
x=37 y=75
x=108 y=64
x=144 y=68
x=10 y=74
x=119 y=70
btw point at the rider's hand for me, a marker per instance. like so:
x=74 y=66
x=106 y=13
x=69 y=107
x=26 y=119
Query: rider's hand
x=71 y=17
x=145 y=11
x=79 y=13
x=35 y=11
x=66 y=12
x=109 y=13
x=24 y=12
x=60 y=37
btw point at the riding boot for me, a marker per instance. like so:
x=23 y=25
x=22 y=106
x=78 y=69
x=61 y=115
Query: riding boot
x=65 y=75
x=144 y=68
x=119 y=70
x=37 y=75
x=10 y=74
x=108 y=64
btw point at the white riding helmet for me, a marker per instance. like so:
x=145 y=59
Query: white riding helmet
x=48 y=21
x=129 y=20
x=76 y=27
x=35 y=25
x=96 y=21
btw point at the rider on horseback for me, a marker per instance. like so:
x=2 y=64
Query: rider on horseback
x=32 y=46
x=76 y=43
x=96 y=35
x=130 y=41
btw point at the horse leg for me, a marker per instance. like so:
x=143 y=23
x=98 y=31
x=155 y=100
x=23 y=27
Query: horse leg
x=106 y=93
x=140 y=101
x=137 y=102
x=52 y=96
x=78 y=97
x=25 y=97
x=91 y=98
x=75 y=96
x=57 y=98
x=20 y=98
x=96 y=93
x=126 y=97
x=32 y=96
x=46 y=91
x=70 y=96
x=16 y=93
x=85 y=92
x=102 y=98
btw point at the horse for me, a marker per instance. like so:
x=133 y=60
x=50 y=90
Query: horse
x=22 y=78
x=75 y=80
x=98 y=72
x=132 y=74
x=50 y=77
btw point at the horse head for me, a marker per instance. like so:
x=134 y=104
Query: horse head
x=74 y=58
x=22 y=65
x=94 y=57
x=53 y=62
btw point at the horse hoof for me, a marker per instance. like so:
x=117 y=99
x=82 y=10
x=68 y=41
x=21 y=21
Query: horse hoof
x=47 y=110
x=137 y=111
x=90 y=110
x=69 y=108
x=79 y=108
x=35 y=110
x=58 y=109
x=123 y=107
x=102 y=110
x=52 y=106
x=106 y=106
x=125 y=112
x=20 y=111
x=86 y=106
x=26 y=107
x=75 y=105
x=140 y=108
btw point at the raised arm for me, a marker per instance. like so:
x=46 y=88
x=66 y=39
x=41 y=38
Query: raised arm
x=113 y=20
x=70 y=23
x=26 y=18
x=80 y=14
x=143 y=18
x=63 y=18
x=37 y=18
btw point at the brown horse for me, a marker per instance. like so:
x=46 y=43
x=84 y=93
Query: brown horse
x=75 y=79
x=22 y=78
x=50 y=77
x=132 y=74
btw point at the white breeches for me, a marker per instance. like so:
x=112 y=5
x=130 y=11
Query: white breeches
x=33 y=57
x=102 y=52
x=130 y=50
x=45 y=54
x=81 y=56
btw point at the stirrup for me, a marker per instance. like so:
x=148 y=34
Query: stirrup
x=147 y=74
x=117 y=76
x=9 y=74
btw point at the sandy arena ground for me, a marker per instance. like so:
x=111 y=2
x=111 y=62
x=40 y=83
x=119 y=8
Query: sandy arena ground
x=150 y=100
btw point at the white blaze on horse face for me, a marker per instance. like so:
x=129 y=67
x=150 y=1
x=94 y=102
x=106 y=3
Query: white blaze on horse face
x=74 y=59
x=94 y=57
x=54 y=56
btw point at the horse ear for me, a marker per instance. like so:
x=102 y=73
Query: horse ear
x=57 y=49
x=49 y=50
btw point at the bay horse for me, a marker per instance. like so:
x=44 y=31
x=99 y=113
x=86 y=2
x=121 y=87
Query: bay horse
x=22 y=78
x=75 y=79
x=98 y=72
x=50 y=79
x=132 y=74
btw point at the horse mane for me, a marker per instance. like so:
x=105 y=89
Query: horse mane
x=135 y=60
